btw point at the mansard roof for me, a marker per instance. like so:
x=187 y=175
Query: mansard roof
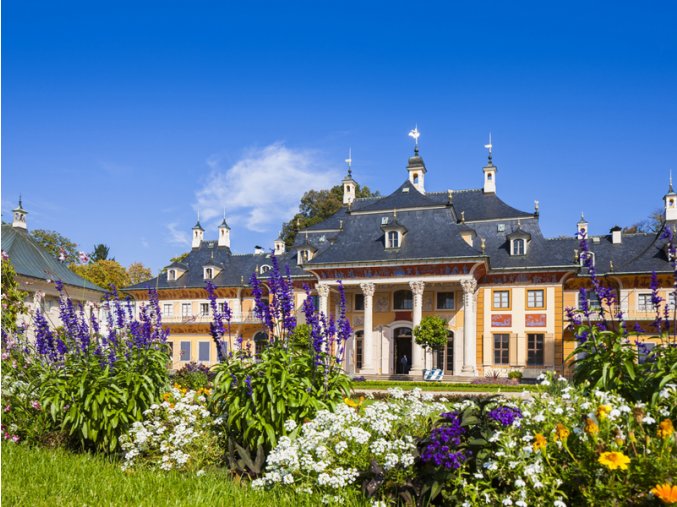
x=29 y=258
x=235 y=269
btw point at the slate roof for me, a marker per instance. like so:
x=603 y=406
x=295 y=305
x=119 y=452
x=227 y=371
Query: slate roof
x=30 y=259
x=235 y=269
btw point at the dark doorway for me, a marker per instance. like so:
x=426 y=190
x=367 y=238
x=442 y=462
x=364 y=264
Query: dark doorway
x=402 y=349
x=445 y=355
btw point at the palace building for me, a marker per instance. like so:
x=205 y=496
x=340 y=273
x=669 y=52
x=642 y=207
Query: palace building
x=463 y=255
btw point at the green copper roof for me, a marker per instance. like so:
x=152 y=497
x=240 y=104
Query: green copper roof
x=31 y=259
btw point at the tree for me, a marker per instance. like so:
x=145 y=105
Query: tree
x=103 y=273
x=431 y=333
x=12 y=297
x=100 y=253
x=138 y=273
x=179 y=258
x=56 y=244
x=316 y=206
x=649 y=225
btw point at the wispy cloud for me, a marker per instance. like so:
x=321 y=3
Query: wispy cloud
x=176 y=235
x=263 y=188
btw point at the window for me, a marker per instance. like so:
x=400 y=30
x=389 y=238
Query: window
x=535 y=349
x=445 y=300
x=359 y=348
x=501 y=348
x=393 y=239
x=203 y=352
x=186 y=310
x=209 y=273
x=265 y=268
x=185 y=351
x=167 y=310
x=645 y=352
x=501 y=299
x=594 y=303
x=222 y=307
x=223 y=347
x=260 y=343
x=672 y=299
x=536 y=298
x=518 y=247
x=403 y=300
x=171 y=274
x=644 y=303
x=305 y=255
x=359 y=302
x=587 y=259
x=204 y=309
x=446 y=353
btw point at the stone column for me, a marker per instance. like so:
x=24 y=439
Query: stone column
x=417 y=352
x=323 y=292
x=469 y=320
x=368 y=365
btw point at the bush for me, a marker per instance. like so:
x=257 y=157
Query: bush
x=515 y=375
x=84 y=383
x=193 y=376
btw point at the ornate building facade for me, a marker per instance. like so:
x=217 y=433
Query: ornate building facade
x=463 y=255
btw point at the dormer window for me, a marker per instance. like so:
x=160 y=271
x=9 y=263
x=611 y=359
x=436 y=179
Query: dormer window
x=265 y=268
x=518 y=246
x=171 y=274
x=587 y=259
x=393 y=239
x=208 y=273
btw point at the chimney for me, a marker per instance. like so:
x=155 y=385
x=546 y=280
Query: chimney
x=616 y=235
x=258 y=250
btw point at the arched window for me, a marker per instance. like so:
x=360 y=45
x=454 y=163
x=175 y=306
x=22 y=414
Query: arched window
x=171 y=274
x=265 y=268
x=415 y=178
x=518 y=246
x=209 y=273
x=403 y=300
x=393 y=239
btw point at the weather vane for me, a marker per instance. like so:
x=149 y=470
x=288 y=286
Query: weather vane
x=415 y=134
x=349 y=161
x=489 y=147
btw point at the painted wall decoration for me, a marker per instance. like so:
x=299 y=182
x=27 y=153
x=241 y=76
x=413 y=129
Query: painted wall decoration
x=534 y=278
x=501 y=320
x=535 y=320
x=395 y=271
x=427 y=303
x=382 y=303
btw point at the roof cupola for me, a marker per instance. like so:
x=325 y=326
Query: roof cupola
x=19 y=216
x=349 y=184
x=490 y=171
x=582 y=228
x=416 y=167
x=670 y=200
x=198 y=233
x=224 y=233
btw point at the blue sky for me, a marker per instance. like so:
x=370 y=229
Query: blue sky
x=121 y=119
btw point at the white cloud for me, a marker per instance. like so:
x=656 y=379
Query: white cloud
x=176 y=235
x=263 y=188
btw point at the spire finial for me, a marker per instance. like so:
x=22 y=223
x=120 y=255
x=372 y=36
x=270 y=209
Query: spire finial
x=21 y=205
x=582 y=217
x=415 y=134
x=349 y=161
x=489 y=147
x=669 y=190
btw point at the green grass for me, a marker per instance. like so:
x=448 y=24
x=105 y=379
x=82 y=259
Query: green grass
x=441 y=386
x=37 y=477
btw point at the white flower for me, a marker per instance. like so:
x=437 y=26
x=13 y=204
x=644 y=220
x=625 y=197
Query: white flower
x=290 y=425
x=559 y=503
x=519 y=483
x=200 y=473
x=507 y=501
x=647 y=419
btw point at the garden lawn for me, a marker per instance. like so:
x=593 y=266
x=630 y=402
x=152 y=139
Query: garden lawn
x=36 y=477
x=443 y=386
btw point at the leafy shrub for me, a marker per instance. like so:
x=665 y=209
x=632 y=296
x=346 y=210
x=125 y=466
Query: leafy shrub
x=92 y=385
x=515 y=375
x=193 y=376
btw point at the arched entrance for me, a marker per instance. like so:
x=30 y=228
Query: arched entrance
x=445 y=355
x=402 y=339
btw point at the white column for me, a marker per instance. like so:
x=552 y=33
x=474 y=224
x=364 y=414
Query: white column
x=237 y=307
x=323 y=292
x=368 y=365
x=469 y=334
x=417 y=352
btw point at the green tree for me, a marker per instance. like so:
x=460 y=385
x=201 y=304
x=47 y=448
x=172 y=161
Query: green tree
x=649 y=225
x=179 y=258
x=316 y=206
x=138 y=273
x=103 y=273
x=431 y=333
x=100 y=253
x=12 y=297
x=56 y=244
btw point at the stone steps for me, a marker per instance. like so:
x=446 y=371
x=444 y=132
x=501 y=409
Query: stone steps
x=447 y=379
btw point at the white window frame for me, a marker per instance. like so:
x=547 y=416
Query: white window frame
x=167 y=309
x=171 y=275
x=393 y=239
x=188 y=307
x=514 y=244
x=646 y=306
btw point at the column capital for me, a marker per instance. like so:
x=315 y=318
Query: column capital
x=417 y=287
x=368 y=288
x=322 y=289
x=469 y=285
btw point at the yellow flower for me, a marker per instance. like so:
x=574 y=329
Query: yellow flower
x=561 y=432
x=666 y=429
x=603 y=412
x=354 y=404
x=665 y=492
x=591 y=427
x=614 y=460
x=539 y=442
